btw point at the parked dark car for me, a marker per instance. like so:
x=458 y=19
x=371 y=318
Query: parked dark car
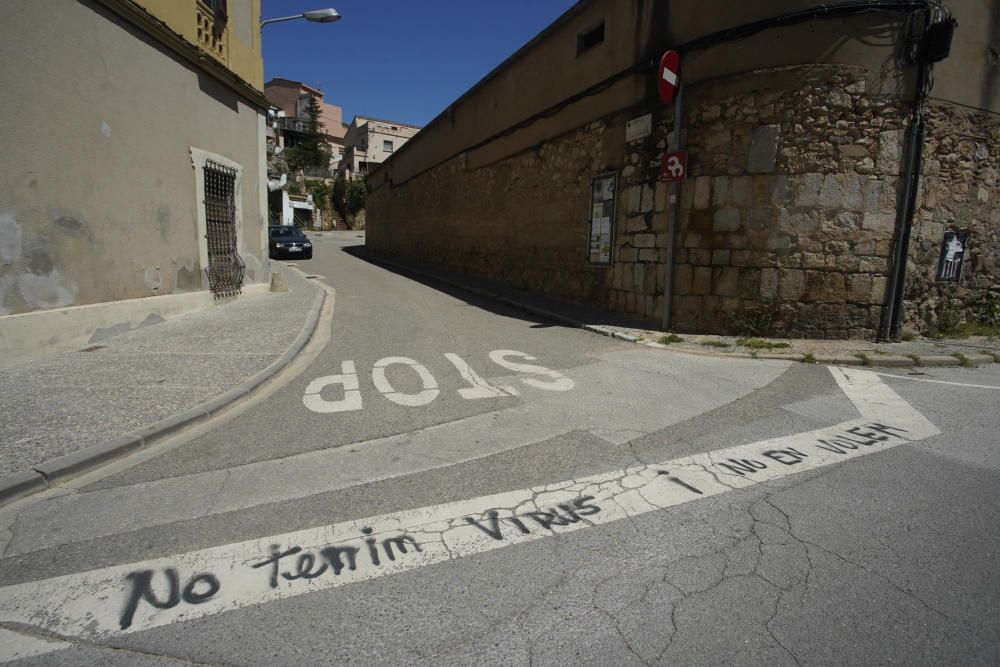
x=287 y=242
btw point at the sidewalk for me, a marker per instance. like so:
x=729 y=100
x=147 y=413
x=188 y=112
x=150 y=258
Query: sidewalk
x=67 y=412
x=972 y=351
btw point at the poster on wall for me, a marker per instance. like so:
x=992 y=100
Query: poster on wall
x=602 y=218
x=952 y=258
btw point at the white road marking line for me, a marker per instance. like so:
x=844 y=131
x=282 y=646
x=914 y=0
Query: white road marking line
x=16 y=645
x=128 y=598
x=954 y=384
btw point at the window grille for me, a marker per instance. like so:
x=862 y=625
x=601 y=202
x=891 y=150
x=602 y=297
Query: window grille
x=225 y=267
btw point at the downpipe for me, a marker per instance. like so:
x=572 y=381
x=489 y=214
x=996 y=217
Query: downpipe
x=893 y=312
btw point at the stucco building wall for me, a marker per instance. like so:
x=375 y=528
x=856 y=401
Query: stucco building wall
x=98 y=196
x=801 y=240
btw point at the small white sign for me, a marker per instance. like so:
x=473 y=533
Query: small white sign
x=639 y=128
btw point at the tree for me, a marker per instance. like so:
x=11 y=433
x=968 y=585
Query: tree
x=356 y=195
x=340 y=194
x=310 y=152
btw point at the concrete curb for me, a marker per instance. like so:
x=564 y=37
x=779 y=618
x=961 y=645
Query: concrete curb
x=57 y=470
x=871 y=360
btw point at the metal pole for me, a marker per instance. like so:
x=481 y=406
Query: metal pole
x=675 y=207
x=893 y=314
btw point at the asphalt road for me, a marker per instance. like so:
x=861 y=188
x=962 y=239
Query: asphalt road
x=452 y=482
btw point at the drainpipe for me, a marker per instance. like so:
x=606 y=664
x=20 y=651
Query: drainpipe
x=893 y=314
x=934 y=46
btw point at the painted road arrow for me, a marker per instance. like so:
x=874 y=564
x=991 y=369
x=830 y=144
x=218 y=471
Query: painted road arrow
x=100 y=604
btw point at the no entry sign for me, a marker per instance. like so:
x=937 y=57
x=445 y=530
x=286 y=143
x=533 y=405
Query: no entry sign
x=670 y=75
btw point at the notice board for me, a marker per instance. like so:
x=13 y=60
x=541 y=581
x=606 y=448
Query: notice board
x=603 y=198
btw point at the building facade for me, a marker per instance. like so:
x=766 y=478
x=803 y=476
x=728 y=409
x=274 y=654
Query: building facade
x=291 y=99
x=144 y=174
x=370 y=142
x=801 y=125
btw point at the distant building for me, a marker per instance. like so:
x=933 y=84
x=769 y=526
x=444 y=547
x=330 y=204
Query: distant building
x=291 y=98
x=370 y=141
x=144 y=172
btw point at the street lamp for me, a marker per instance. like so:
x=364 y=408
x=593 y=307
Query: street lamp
x=329 y=15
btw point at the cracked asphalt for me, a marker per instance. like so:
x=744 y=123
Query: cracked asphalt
x=890 y=557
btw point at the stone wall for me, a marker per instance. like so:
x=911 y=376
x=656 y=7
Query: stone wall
x=788 y=213
x=522 y=220
x=960 y=192
x=786 y=221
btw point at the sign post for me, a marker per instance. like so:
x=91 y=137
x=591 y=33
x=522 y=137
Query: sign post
x=676 y=167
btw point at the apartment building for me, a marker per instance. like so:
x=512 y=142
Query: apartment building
x=291 y=99
x=370 y=141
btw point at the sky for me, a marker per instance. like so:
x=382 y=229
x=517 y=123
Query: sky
x=402 y=60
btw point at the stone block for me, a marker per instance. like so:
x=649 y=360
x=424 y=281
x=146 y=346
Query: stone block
x=739 y=258
x=720 y=190
x=646 y=199
x=842 y=191
x=726 y=220
x=872 y=264
x=638 y=277
x=859 y=287
x=702 y=192
x=768 y=283
x=779 y=241
x=807 y=189
x=792 y=284
x=799 y=220
x=878 y=222
x=844 y=263
x=660 y=197
x=649 y=255
x=725 y=281
x=813 y=260
x=628 y=255
x=700 y=257
x=720 y=257
x=736 y=241
x=879 y=284
x=659 y=221
x=890 y=152
x=763 y=149
x=701 y=282
x=846 y=221
x=825 y=286
x=644 y=240
x=740 y=192
x=683 y=275
x=853 y=150
x=864 y=166
x=633 y=199
x=692 y=240
x=780 y=192
x=635 y=223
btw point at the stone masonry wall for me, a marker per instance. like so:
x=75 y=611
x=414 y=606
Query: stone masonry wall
x=522 y=221
x=960 y=192
x=788 y=213
x=786 y=221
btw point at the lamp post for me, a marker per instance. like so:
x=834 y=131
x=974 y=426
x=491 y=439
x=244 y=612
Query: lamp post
x=328 y=15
